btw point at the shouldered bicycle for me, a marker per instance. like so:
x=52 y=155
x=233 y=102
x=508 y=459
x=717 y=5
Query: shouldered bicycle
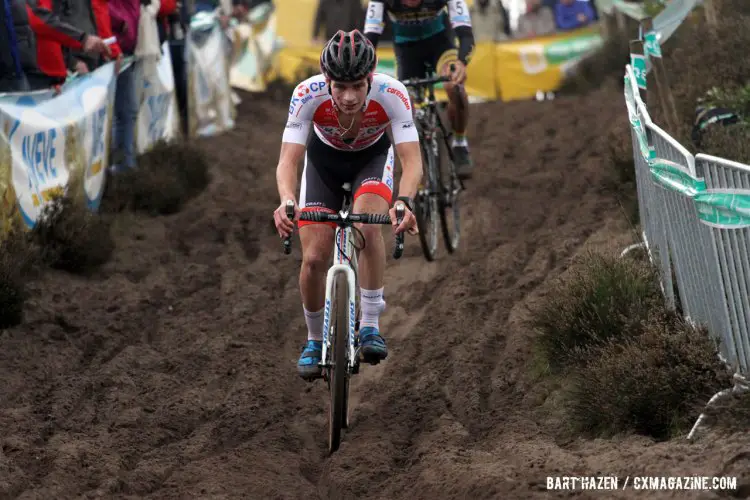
x=438 y=198
x=340 y=357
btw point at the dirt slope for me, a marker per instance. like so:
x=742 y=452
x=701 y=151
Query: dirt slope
x=170 y=374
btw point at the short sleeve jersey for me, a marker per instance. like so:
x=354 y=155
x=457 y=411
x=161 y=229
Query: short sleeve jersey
x=388 y=104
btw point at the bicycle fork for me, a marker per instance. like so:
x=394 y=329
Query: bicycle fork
x=340 y=266
x=330 y=284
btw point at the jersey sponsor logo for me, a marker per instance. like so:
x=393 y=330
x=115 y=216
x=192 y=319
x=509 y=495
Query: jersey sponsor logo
x=383 y=87
x=293 y=105
x=400 y=95
x=317 y=86
x=293 y=125
x=302 y=90
x=306 y=98
x=407 y=125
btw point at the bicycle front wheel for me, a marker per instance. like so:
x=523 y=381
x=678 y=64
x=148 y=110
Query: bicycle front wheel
x=338 y=381
x=426 y=205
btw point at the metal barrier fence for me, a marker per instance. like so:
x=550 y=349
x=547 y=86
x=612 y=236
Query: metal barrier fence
x=695 y=220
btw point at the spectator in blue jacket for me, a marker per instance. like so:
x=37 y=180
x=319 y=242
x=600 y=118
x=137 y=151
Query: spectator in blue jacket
x=572 y=14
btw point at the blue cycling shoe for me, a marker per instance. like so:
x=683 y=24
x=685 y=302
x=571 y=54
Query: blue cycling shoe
x=372 y=345
x=307 y=366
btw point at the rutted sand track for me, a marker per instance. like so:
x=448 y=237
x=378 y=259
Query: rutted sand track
x=170 y=374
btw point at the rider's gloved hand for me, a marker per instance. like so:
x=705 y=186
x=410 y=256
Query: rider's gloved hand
x=409 y=223
x=284 y=225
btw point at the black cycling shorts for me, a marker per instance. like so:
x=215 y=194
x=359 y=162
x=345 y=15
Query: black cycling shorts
x=412 y=56
x=369 y=170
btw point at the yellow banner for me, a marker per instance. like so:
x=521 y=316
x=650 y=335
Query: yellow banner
x=527 y=66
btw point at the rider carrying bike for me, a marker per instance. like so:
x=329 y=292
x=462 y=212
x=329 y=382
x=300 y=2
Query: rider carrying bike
x=420 y=36
x=349 y=109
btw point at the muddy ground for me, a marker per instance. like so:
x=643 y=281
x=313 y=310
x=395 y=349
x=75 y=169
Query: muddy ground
x=170 y=373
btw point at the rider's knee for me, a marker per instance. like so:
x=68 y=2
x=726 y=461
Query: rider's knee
x=371 y=232
x=315 y=257
x=314 y=262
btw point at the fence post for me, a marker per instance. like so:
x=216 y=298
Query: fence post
x=653 y=55
x=638 y=63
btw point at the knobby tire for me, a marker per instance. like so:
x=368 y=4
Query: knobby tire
x=338 y=376
x=449 y=206
x=427 y=206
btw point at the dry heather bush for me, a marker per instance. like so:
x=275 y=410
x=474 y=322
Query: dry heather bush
x=698 y=59
x=71 y=237
x=166 y=177
x=728 y=142
x=655 y=384
x=17 y=257
x=605 y=297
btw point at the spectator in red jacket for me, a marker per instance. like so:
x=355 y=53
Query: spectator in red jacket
x=52 y=34
x=104 y=24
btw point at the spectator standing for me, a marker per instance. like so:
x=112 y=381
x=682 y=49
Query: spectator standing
x=572 y=14
x=80 y=14
x=125 y=16
x=489 y=21
x=12 y=63
x=52 y=35
x=334 y=15
x=537 y=21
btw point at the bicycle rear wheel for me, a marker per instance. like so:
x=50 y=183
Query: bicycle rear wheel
x=338 y=379
x=450 y=189
x=426 y=205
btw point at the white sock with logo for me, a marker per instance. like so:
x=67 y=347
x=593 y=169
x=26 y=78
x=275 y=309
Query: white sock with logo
x=314 y=322
x=371 y=305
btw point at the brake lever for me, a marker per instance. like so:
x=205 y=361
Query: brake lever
x=290 y=216
x=399 y=250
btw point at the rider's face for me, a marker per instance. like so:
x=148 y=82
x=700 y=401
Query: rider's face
x=349 y=96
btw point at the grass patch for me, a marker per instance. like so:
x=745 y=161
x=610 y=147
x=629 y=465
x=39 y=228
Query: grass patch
x=167 y=177
x=624 y=363
x=71 y=237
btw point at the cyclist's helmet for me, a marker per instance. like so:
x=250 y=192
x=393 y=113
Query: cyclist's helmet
x=348 y=57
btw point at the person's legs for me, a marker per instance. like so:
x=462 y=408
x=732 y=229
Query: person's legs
x=317 y=250
x=458 y=114
x=373 y=192
x=126 y=114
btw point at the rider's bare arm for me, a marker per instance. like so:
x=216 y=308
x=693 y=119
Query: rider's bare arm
x=286 y=171
x=294 y=140
x=411 y=168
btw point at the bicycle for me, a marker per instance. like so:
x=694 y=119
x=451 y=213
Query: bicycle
x=342 y=295
x=440 y=194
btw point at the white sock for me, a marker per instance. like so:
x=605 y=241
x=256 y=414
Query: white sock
x=460 y=141
x=371 y=305
x=314 y=322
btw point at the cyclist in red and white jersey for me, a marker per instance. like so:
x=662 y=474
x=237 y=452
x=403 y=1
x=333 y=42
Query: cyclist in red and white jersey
x=338 y=122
